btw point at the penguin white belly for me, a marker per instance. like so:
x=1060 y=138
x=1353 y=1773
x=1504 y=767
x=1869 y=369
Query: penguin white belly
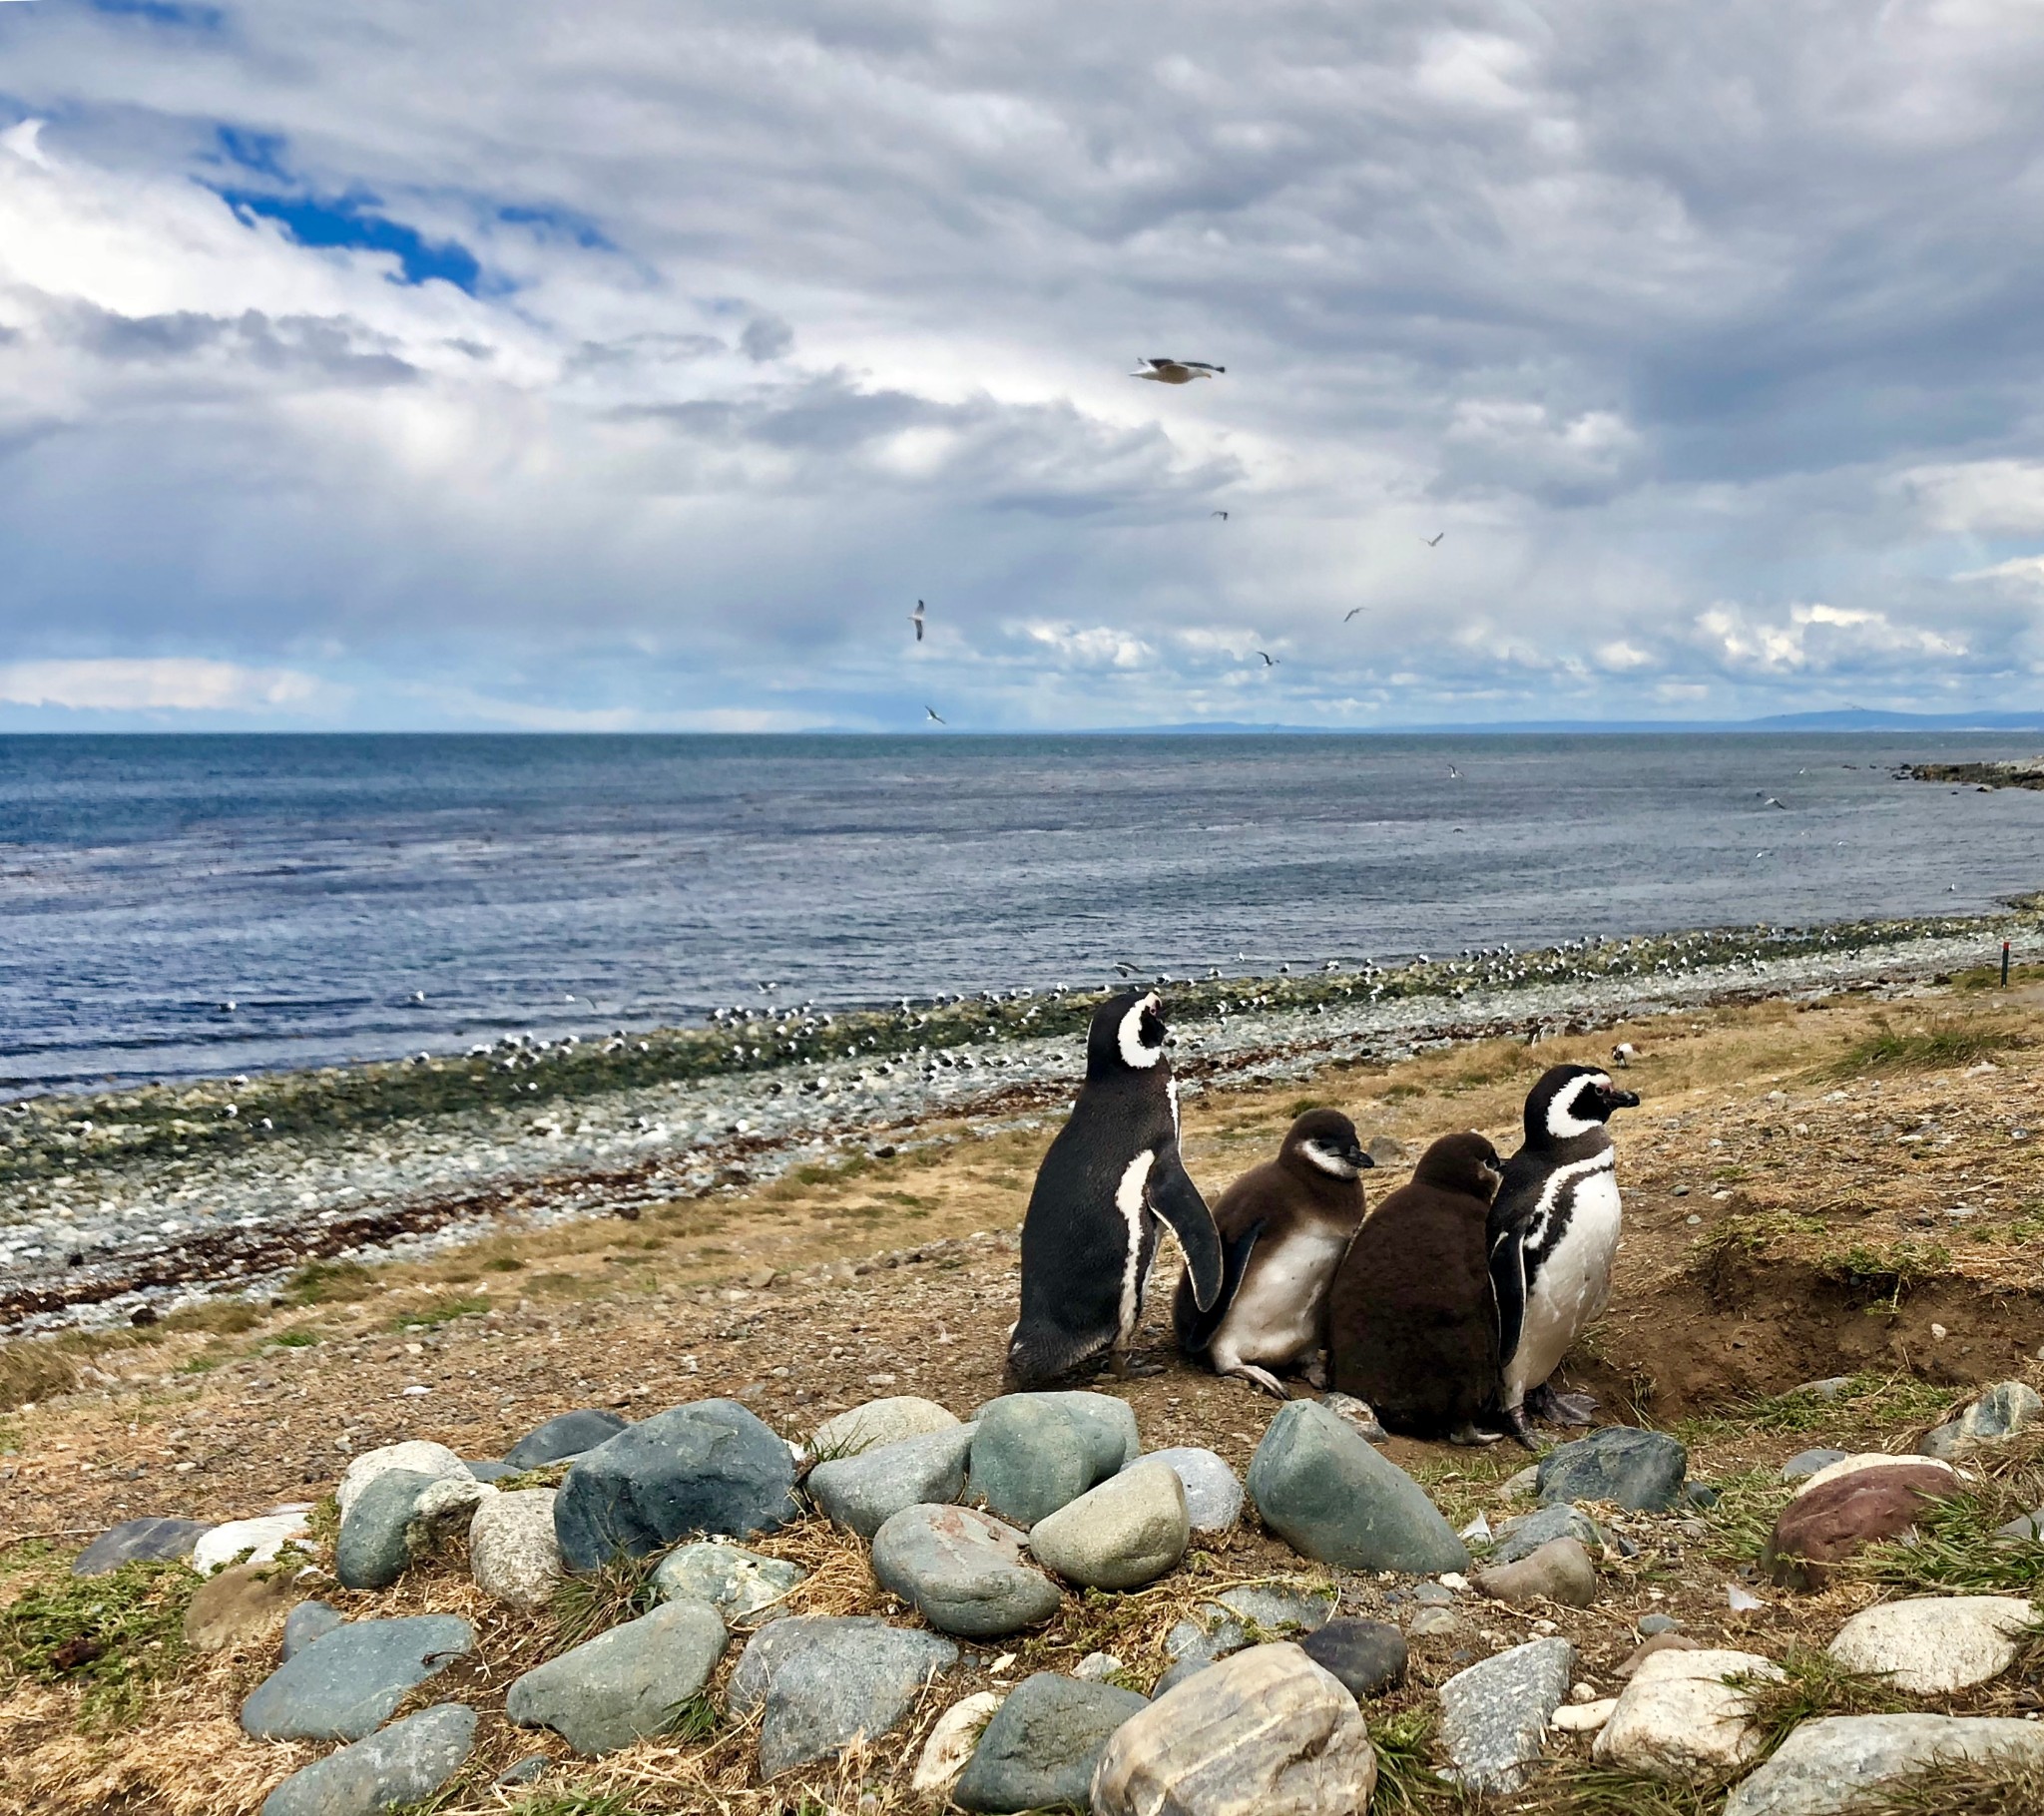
x=1277 y=1314
x=1572 y=1287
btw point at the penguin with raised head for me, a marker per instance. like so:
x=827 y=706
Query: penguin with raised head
x=1554 y=1234
x=1411 y=1319
x=1090 y=1232
x=1284 y=1226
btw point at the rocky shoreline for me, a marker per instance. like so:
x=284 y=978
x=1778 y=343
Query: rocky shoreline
x=129 y=1205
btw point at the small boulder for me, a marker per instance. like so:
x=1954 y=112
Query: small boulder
x=309 y=1621
x=563 y=1436
x=1642 y=1470
x=1129 y=1531
x=372 y=1552
x=861 y=1493
x=710 y=1467
x=156 y=1540
x=1033 y=1453
x=1251 y=1614
x=1522 y=1537
x=348 y=1682
x=963 y=1571
x=256 y=1541
x=820 y=1681
x=239 y=1604
x=1826 y=1766
x=878 y=1424
x=1495 y=1713
x=1043 y=1743
x=1330 y=1495
x=405 y=1763
x=1559 y=1571
x=1861 y=1460
x=1368 y=1655
x=417 y=1455
x=743 y=1586
x=1833 y=1516
x=1111 y=1422
x=1264 y=1732
x=513 y=1554
x=1214 y=1491
x=1680 y=1718
x=1806 y=1463
x=1934 y=1645
x=1997 y=1416
x=625 y=1685
x=951 y=1744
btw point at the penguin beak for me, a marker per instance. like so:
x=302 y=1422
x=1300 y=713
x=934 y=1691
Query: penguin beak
x=1359 y=1159
x=1620 y=1100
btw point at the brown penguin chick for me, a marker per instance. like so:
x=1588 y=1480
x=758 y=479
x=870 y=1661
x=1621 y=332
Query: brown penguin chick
x=1284 y=1226
x=1412 y=1318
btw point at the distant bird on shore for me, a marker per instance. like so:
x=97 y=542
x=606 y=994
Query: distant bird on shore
x=1433 y=542
x=915 y=618
x=1352 y=609
x=940 y=719
x=1770 y=802
x=1177 y=371
x=1223 y=515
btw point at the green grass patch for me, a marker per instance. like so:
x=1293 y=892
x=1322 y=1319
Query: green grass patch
x=442 y=1311
x=1813 y=1684
x=1594 y=1790
x=502 y=1264
x=1752 y=1232
x=1943 y=1045
x=114 y=1635
x=2004 y=1787
x=328 y=1283
x=599 y=1599
x=571 y=1802
x=1881 y=1275
x=294 y=1339
x=1405 y=1768
x=1869 y=1405
x=1955 y=1551
x=1742 y=1518
x=31 y=1371
x=694 y=1722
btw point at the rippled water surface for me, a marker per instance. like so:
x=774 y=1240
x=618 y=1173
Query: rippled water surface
x=361 y=896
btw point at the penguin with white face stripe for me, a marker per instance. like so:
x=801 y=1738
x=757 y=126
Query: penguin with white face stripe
x=1091 y=1230
x=1553 y=1234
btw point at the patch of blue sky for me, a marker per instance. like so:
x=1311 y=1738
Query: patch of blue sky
x=263 y=153
x=351 y=221
x=559 y=224
x=165 y=12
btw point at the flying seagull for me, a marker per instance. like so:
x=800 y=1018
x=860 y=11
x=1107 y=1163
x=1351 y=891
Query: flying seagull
x=1270 y=660
x=1454 y=775
x=1433 y=542
x=1223 y=515
x=1127 y=971
x=932 y=711
x=915 y=618
x=1352 y=609
x=1177 y=371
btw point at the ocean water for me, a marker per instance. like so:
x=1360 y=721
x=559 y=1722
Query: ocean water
x=366 y=896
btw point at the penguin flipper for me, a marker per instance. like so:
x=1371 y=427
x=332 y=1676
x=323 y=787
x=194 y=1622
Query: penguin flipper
x=1508 y=1290
x=1173 y=1197
x=1196 y=1333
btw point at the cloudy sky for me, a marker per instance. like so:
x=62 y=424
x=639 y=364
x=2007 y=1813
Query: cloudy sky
x=638 y=365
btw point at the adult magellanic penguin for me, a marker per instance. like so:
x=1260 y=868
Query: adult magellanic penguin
x=1284 y=1226
x=1553 y=1236
x=1411 y=1321
x=1091 y=1230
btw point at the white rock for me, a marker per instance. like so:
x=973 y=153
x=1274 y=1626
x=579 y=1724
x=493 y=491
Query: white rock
x=949 y=1748
x=1934 y=1644
x=1824 y=1766
x=1583 y=1717
x=1679 y=1718
x=1095 y=1668
x=451 y=1494
x=512 y=1552
x=417 y=1453
x=260 y=1537
x=879 y=1422
x=1266 y=1732
x=1872 y=1459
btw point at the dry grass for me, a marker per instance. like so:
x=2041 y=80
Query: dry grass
x=33 y=1370
x=1958 y=1789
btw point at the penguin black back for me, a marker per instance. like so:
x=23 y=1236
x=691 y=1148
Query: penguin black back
x=1090 y=1228
x=1411 y=1322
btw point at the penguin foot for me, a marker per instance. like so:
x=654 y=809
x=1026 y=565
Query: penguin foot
x=1128 y=1367
x=1469 y=1436
x=1515 y=1423
x=1562 y=1409
x=1316 y=1372
x=1262 y=1379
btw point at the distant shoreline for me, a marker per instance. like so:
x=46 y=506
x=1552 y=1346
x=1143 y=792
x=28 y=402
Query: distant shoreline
x=134 y=1201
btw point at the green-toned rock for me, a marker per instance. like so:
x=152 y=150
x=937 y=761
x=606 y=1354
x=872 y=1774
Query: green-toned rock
x=1324 y=1490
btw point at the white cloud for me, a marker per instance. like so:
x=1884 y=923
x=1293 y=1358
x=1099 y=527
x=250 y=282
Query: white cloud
x=158 y=685
x=1817 y=637
x=2024 y=574
x=1981 y=495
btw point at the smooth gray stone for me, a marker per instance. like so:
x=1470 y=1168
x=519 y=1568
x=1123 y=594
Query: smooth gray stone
x=347 y=1684
x=736 y=1583
x=862 y=1493
x=1175 y=1674
x=487 y=1471
x=2023 y=1526
x=1323 y=1489
x=1033 y=1454
x=404 y=1763
x=1042 y=1744
x=309 y=1621
x=1368 y=1655
x=963 y=1571
x=622 y=1685
x=372 y=1552
x=1522 y=1537
x=820 y=1679
x=1214 y=1491
x=1805 y=1463
x=529 y=1770
x=1642 y=1470
x=161 y=1541
x=1495 y=1714
x=1649 y=1624
x=1110 y=1421
x=1827 y=1766
x=1998 y=1414
x=566 y=1435
x=709 y=1468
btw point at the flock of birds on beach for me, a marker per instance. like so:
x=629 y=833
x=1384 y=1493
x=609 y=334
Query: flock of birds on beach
x=1163 y=370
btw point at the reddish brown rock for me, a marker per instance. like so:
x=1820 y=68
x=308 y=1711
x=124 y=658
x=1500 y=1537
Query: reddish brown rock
x=1833 y=1519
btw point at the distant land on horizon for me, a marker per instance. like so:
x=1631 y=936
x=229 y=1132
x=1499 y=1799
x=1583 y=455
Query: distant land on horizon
x=1844 y=719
